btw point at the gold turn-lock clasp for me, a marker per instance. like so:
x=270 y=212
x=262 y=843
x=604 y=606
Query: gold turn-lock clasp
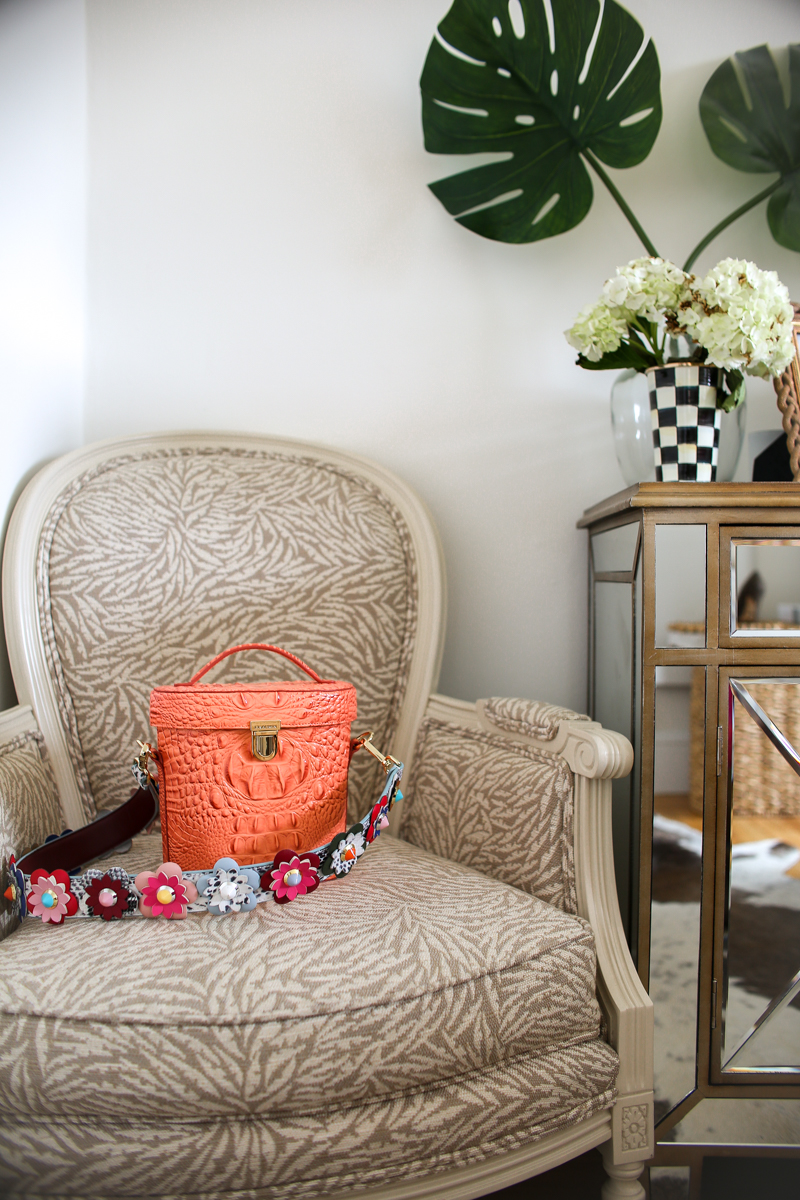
x=264 y=739
x=365 y=740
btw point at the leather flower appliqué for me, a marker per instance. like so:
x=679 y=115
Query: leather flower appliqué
x=107 y=897
x=378 y=821
x=229 y=888
x=15 y=892
x=50 y=897
x=165 y=893
x=291 y=875
x=344 y=853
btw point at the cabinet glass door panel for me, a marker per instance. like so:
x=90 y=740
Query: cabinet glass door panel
x=676 y=882
x=680 y=585
x=761 y=976
x=762 y=601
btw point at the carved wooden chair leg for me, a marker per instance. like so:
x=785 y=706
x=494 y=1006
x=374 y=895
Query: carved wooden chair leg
x=623 y=1178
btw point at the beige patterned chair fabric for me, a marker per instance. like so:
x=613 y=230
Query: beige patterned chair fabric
x=309 y=1034
x=29 y=807
x=503 y=808
x=153 y=563
x=528 y=718
x=433 y=1010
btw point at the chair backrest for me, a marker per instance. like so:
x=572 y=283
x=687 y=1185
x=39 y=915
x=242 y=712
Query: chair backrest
x=130 y=563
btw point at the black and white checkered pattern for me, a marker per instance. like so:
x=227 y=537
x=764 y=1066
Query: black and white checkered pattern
x=686 y=421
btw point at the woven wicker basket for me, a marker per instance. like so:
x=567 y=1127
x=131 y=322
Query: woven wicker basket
x=763 y=782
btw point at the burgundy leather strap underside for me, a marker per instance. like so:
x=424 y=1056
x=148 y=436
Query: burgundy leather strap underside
x=74 y=849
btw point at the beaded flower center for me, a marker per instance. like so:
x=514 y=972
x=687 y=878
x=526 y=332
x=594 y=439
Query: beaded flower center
x=107 y=897
x=165 y=895
x=293 y=878
x=49 y=899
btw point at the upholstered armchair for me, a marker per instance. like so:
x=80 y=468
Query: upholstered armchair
x=458 y=1014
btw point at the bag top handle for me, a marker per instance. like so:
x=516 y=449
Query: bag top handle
x=298 y=662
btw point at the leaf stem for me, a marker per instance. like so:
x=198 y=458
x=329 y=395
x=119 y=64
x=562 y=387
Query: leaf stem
x=648 y=335
x=734 y=216
x=640 y=233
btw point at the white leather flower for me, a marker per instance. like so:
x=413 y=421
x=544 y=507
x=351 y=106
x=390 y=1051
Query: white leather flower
x=229 y=888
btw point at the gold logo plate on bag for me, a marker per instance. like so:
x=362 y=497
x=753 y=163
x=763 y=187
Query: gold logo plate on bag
x=264 y=739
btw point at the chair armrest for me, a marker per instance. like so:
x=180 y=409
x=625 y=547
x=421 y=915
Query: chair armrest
x=596 y=756
x=29 y=803
x=477 y=820
x=484 y=792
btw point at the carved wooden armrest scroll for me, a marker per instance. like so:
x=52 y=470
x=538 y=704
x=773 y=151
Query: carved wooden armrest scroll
x=787 y=389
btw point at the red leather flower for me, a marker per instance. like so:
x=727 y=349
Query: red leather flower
x=291 y=875
x=107 y=898
x=377 y=821
x=50 y=897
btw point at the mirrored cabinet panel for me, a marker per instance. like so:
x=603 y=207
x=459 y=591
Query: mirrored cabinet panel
x=612 y=701
x=615 y=549
x=761 y=974
x=764 y=588
x=676 y=887
x=680 y=585
x=745 y=1121
x=613 y=655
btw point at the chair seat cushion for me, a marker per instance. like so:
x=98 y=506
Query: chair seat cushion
x=410 y=971
x=410 y=978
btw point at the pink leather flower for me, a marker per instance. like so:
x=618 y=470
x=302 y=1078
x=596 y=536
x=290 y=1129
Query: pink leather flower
x=291 y=875
x=165 y=893
x=50 y=897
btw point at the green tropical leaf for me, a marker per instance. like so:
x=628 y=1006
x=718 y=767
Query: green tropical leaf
x=752 y=126
x=547 y=83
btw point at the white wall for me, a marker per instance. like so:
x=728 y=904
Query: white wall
x=263 y=255
x=42 y=243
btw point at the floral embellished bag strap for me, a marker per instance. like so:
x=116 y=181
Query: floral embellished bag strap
x=71 y=849
x=46 y=884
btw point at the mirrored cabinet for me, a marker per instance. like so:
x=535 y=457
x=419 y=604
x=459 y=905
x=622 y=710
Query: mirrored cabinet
x=694 y=646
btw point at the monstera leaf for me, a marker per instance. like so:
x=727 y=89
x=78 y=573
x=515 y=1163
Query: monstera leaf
x=549 y=83
x=752 y=126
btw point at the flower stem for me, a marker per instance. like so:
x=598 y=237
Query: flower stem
x=734 y=216
x=640 y=233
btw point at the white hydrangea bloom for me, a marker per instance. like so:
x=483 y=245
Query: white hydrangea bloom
x=646 y=287
x=742 y=316
x=597 y=331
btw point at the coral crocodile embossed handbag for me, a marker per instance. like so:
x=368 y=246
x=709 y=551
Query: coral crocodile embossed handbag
x=248 y=769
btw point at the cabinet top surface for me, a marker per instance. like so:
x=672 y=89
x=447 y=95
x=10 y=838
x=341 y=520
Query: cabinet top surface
x=695 y=495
